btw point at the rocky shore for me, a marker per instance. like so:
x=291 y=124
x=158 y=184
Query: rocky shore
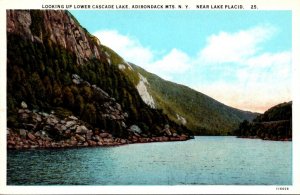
x=43 y=130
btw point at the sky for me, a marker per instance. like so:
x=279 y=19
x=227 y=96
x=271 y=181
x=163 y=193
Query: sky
x=240 y=58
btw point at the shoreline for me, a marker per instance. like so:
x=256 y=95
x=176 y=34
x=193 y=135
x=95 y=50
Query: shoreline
x=43 y=130
x=16 y=142
x=266 y=139
x=29 y=141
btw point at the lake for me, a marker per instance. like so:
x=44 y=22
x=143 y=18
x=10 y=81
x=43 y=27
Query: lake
x=205 y=160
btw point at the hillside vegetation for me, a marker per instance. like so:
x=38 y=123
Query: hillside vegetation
x=70 y=73
x=274 y=124
x=203 y=114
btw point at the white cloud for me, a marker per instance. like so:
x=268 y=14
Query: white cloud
x=128 y=47
x=234 y=47
x=233 y=67
x=262 y=82
x=253 y=97
x=270 y=59
x=258 y=80
x=174 y=62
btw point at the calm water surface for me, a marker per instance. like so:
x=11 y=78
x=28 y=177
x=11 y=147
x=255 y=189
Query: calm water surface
x=202 y=161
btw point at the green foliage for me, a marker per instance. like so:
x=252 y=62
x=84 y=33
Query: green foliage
x=204 y=115
x=90 y=114
x=116 y=60
x=62 y=112
x=275 y=124
x=281 y=111
x=42 y=77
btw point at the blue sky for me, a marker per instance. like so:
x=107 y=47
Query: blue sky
x=241 y=58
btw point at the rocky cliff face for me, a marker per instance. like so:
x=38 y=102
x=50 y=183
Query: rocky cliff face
x=54 y=66
x=58 y=26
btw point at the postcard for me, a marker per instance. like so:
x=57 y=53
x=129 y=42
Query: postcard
x=177 y=97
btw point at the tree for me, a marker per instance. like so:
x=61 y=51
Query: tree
x=244 y=127
x=37 y=85
x=89 y=114
x=79 y=104
x=68 y=97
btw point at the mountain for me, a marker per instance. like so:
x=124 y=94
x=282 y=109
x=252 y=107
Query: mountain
x=274 y=124
x=199 y=112
x=65 y=86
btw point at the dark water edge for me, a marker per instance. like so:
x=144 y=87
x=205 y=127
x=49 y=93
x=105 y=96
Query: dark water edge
x=207 y=160
x=268 y=139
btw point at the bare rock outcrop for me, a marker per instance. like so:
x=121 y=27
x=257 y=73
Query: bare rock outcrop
x=61 y=28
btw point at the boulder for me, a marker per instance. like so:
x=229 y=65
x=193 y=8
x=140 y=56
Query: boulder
x=81 y=129
x=73 y=138
x=47 y=144
x=77 y=82
x=10 y=142
x=24 y=105
x=63 y=128
x=23 y=133
x=167 y=130
x=135 y=129
x=123 y=124
x=44 y=114
x=92 y=143
x=24 y=115
x=36 y=117
x=70 y=124
x=123 y=141
x=33 y=146
x=80 y=138
x=89 y=135
x=104 y=135
x=96 y=138
x=31 y=136
x=118 y=106
x=73 y=142
x=20 y=111
x=73 y=118
x=52 y=120
x=67 y=132
x=108 y=140
x=40 y=142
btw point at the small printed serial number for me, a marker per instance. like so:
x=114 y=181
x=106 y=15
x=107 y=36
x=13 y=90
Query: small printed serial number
x=282 y=188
